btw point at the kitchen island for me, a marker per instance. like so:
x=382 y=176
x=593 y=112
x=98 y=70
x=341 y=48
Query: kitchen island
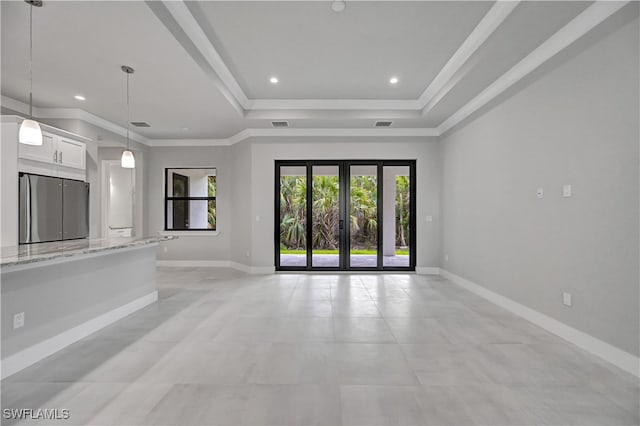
x=54 y=294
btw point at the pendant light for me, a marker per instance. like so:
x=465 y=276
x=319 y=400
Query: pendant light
x=30 y=133
x=127 y=161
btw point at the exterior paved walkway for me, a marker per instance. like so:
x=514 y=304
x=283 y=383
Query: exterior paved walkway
x=331 y=260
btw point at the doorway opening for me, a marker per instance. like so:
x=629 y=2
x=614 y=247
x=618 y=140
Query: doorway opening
x=345 y=215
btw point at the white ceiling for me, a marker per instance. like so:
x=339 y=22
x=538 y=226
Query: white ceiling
x=205 y=65
x=319 y=54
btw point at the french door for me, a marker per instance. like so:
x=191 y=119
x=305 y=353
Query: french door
x=345 y=215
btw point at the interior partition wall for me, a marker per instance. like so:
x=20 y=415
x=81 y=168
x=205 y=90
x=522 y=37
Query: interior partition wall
x=336 y=215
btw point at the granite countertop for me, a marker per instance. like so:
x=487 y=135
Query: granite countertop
x=31 y=253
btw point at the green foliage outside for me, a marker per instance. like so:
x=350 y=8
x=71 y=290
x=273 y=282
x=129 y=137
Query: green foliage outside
x=325 y=220
x=211 y=208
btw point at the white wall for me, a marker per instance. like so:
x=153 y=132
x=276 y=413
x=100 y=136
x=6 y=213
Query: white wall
x=576 y=124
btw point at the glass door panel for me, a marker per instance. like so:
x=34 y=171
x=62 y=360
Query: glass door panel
x=293 y=216
x=396 y=214
x=326 y=224
x=363 y=216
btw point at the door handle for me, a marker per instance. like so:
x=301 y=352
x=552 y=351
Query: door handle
x=60 y=157
x=55 y=156
x=341 y=224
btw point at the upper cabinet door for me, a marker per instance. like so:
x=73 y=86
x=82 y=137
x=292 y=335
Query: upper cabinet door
x=45 y=152
x=71 y=153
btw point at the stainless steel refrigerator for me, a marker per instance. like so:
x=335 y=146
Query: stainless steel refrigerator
x=52 y=209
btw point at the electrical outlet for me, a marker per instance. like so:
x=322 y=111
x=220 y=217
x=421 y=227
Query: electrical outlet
x=18 y=320
x=540 y=192
x=429 y=218
x=566 y=299
x=566 y=191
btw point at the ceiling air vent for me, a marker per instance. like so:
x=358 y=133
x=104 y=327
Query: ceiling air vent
x=140 y=124
x=383 y=123
x=280 y=123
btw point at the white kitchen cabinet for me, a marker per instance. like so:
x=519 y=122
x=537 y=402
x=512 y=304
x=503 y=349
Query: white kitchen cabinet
x=71 y=153
x=59 y=155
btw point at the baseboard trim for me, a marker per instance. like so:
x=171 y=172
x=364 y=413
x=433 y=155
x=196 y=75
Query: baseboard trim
x=195 y=263
x=29 y=356
x=255 y=270
x=622 y=359
x=427 y=270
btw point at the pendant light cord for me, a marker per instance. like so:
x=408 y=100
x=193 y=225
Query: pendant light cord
x=128 y=112
x=31 y=61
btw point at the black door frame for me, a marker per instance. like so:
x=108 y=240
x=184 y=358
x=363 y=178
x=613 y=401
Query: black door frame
x=344 y=217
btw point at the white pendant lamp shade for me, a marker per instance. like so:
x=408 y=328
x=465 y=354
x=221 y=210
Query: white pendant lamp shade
x=127 y=161
x=30 y=133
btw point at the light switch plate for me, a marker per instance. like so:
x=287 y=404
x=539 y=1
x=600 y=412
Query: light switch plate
x=429 y=218
x=566 y=191
x=566 y=299
x=540 y=192
x=18 y=320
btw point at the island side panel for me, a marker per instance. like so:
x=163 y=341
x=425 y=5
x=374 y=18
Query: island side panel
x=59 y=297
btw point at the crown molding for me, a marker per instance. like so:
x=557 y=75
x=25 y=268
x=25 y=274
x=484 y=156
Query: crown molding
x=73 y=114
x=334 y=104
x=576 y=28
x=440 y=86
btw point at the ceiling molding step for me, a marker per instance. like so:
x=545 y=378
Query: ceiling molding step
x=346 y=132
x=311 y=132
x=334 y=114
x=576 y=28
x=157 y=143
x=334 y=104
x=72 y=114
x=438 y=88
x=184 y=18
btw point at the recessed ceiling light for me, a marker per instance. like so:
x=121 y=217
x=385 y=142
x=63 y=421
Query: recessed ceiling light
x=80 y=97
x=393 y=80
x=274 y=80
x=338 y=6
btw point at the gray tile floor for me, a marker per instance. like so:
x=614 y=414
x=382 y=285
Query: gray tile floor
x=221 y=347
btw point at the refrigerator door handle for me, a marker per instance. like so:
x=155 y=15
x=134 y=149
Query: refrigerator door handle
x=28 y=208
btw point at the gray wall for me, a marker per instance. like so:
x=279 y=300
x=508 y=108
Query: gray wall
x=578 y=125
x=241 y=222
x=246 y=199
x=191 y=245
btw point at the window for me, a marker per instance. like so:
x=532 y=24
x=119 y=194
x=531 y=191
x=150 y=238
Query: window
x=190 y=199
